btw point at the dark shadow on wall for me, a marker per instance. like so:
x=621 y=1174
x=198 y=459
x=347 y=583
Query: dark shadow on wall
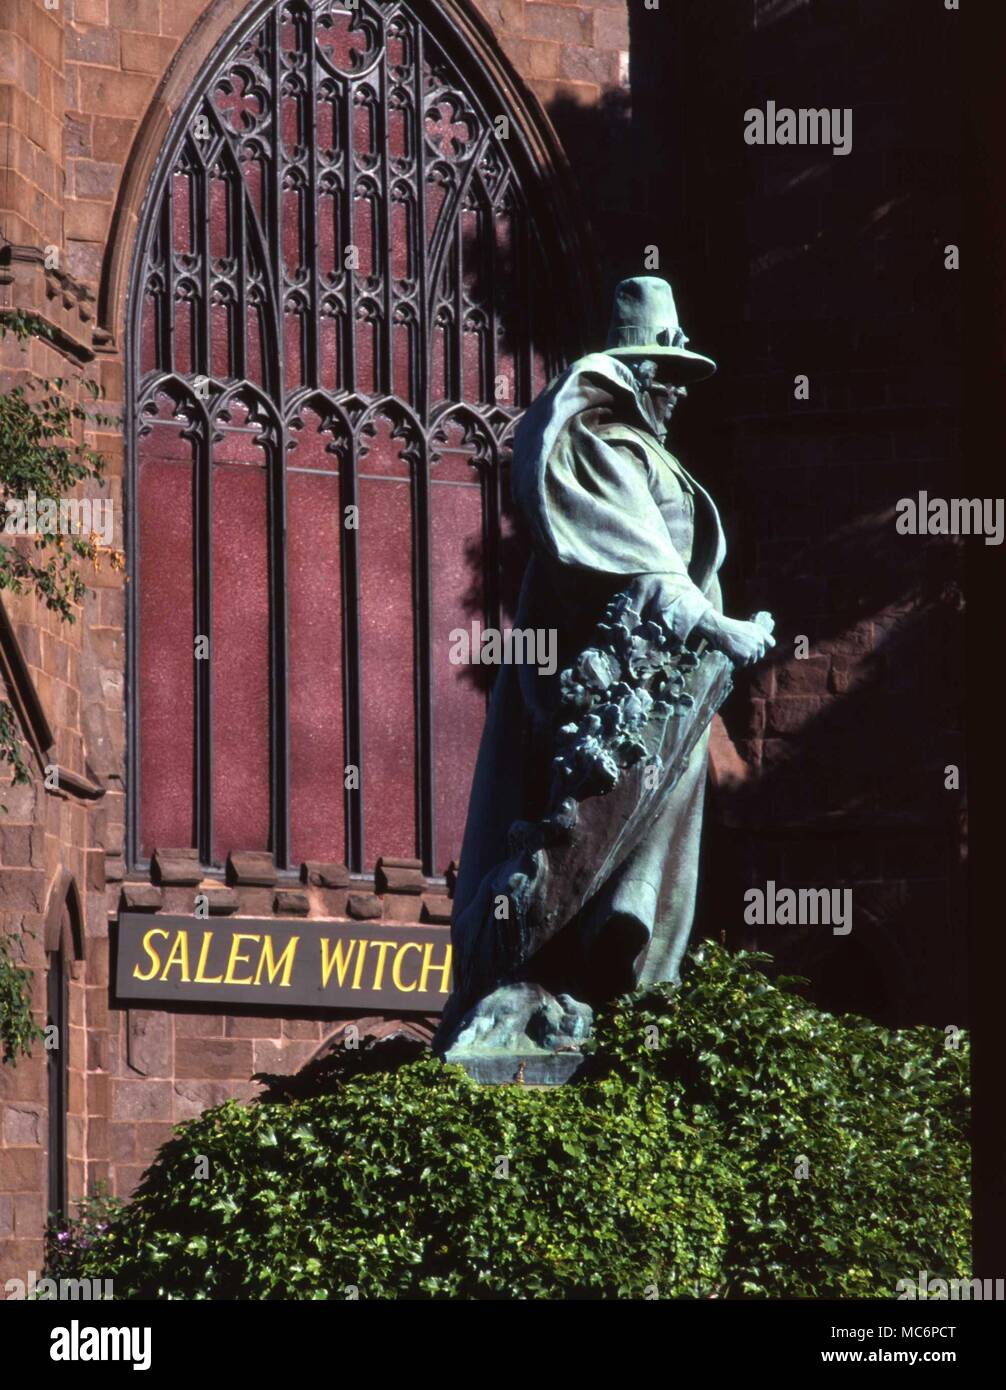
x=794 y=261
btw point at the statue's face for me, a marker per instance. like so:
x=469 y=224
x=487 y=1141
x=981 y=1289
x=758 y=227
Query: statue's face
x=663 y=399
x=666 y=398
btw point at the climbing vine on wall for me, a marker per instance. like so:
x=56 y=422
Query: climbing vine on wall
x=43 y=459
x=18 y=1029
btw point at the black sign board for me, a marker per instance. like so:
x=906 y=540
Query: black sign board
x=304 y=964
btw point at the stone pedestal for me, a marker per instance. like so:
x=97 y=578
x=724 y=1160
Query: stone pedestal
x=537 y=1068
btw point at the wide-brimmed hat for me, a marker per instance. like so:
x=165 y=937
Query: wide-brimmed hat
x=644 y=326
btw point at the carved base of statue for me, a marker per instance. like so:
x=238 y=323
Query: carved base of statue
x=521 y=1032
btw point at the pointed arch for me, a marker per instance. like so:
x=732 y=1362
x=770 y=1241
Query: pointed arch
x=334 y=213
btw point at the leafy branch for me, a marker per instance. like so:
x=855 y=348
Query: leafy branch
x=43 y=453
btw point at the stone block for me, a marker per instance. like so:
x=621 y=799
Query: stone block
x=141 y=1101
x=324 y=875
x=290 y=903
x=178 y=867
x=149 y=1042
x=436 y=908
x=364 y=907
x=109 y=92
x=213 y=1059
x=220 y=901
x=251 y=868
x=23 y=1125
x=144 y=53
x=399 y=876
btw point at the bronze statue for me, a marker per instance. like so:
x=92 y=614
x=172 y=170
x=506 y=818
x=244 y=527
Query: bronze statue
x=580 y=859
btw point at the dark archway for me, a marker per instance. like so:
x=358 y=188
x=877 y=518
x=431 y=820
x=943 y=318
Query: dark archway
x=64 y=944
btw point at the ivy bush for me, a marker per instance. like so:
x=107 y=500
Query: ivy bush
x=727 y=1139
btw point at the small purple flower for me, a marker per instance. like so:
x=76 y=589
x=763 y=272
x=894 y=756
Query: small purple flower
x=63 y=1237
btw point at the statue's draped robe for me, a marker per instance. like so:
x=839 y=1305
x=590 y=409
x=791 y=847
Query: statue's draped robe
x=604 y=503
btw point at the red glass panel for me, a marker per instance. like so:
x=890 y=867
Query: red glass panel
x=387 y=656
x=183 y=336
x=317 y=753
x=458 y=690
x=324 y=124
x=181 y=213
x=396 y=50
x=239 y=649
x=363 y=127
x=472 y=355
x=220 y=340
x=293 y=357
x=438 y=365
x=252 y=170
x=448 y=133
x=328 y=332
x=401 y=245
x=401 y=349
x=148 y=335
x=166 y=606
x=310 y=445
x=507 y=301
x=290 y=122
x=256 y=367
x=366 y=356
x=219 y=220
x=435 y=195
x=339 y=39
x=237 y=104
x=471 y=254
x=363 y=235
x=291 y=228
x=398 y=133
x=328 y=212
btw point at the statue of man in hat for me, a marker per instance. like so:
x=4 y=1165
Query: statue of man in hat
x=618 y=527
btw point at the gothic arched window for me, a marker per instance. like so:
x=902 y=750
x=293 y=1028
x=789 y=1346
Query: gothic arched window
x=344 y=294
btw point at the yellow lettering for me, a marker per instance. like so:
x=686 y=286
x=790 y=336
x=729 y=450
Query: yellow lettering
x=445 y=969
x=361 y=957
x=229 y=978
x=272 y=966
x=396 y=978
x=155 y=958
x=201 y=978
x=180 y=957
x=330 y=958
x=383 y=947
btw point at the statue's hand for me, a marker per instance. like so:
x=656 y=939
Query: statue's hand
x=744 y=643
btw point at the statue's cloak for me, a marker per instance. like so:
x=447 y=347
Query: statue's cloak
x=603 y=502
